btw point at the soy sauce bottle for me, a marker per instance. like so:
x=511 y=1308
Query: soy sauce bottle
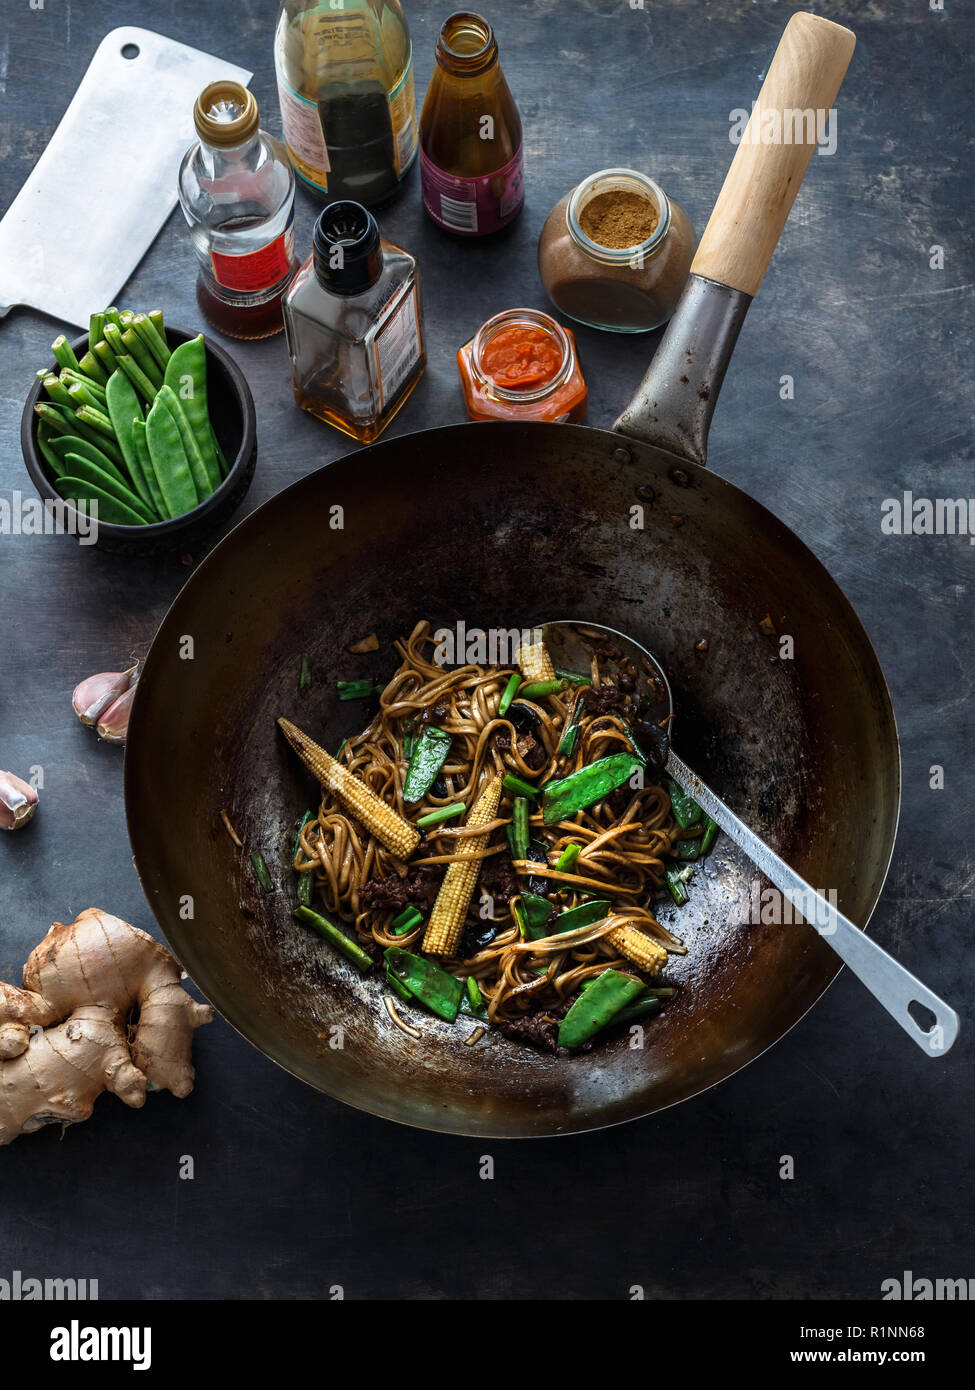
x=470 y=134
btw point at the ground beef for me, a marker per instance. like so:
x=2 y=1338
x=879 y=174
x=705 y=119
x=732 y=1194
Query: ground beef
x=537 y=1030
x=498 y=878
x=418 y=888
x=602 y=699
x=435 y=714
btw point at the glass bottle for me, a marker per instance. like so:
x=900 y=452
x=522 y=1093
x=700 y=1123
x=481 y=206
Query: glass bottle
x=470 y=133
x=237 y=192
x=354 y=324
x=345 y=84
x=522 y=365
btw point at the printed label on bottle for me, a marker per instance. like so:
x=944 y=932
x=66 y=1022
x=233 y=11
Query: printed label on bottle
x=303 y=135
x=257 y=270
x=473 y=207
x=398 y=349
x=402 y=109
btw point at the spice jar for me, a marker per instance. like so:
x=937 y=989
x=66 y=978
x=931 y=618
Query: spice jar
x=615 y=253
x=522 y=365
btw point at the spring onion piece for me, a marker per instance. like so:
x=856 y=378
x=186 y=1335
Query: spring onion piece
x=568 y=857
x=709 y=836
x=442 y=813
x=564 y=798
x=531 y=914
x=516 y=784
x=427 y=758
x=520 y=812
x=686 y=810
x=602 y=1001
x=341 y=749
x=306 y=881
x=508 y=694
x=676 y=885
x=537 y=690
x=440 y=991
x=573 y=677
x=474 y=996
x=585 y=915
x=304 y=676
x=357 y=690
x=409 y=738
x=261 y=870
x=409 y=918
x=336 y=938
x=633 y=1012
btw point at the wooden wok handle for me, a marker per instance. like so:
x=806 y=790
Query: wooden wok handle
x=761 y=185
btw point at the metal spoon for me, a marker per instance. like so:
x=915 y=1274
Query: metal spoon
x=571 y=644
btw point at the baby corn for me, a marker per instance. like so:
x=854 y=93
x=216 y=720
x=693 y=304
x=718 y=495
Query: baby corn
x=446 y=924
x=641 y=949
x=398 y=835
x=535 y=662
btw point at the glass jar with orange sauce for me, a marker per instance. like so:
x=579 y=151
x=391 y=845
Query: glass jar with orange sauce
x=522 y=365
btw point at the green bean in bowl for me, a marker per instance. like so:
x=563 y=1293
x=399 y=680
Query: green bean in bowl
x=148 y=427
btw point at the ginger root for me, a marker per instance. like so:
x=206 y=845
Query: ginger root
x=101 y=1009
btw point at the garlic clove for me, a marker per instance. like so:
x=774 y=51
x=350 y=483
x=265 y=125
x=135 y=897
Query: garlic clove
x=93 y=695
x=114 y=723
x=18 y=802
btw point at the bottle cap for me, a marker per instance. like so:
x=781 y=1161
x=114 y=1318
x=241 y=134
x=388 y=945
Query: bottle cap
x=348 y=253
x=225 y=115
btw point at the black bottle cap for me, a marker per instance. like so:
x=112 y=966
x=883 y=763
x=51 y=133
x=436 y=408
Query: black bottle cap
x=348 y=253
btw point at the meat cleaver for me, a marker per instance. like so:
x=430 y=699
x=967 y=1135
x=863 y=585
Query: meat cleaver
x=106 y=182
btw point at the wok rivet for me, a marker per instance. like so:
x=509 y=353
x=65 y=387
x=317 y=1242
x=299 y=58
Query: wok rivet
x=646 y=493
x=622 y=455
x=678 y=476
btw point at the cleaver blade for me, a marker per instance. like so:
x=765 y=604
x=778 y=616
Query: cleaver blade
x=106 y=182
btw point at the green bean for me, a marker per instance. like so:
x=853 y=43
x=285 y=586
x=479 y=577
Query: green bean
x=112 y=317
x=106 y=357
x=169 y=461
x=113 y=336
x=95 y=418
x=82 y=395
x=520 y=813
x=96 y=330
x=153 y=340
x=306 y=880
x=573 y=677
x=261 y=870
x=78 y=467
x=508 y=694
x=109 y=508
x=138 y=378
x=536 y=690
x=147 y=470
x=136 y=348
x=47 y=453
x=71 y=378
x=186 y=374
x=57 y=391
x=442 y=813
x=156 y=319
x=63 y=353
x=93 y=369
x=512 y=783
x=174 y=405
x=55 y=418
x=338 y=939
x=639 y=1008
x=568 y=857
x=406 y=921
x=123 y=411
x=304 y=676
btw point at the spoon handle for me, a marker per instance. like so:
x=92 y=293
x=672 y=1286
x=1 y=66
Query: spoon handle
x=887 y=980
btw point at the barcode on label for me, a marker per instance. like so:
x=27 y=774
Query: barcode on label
x=461 y=216
x=398 y=349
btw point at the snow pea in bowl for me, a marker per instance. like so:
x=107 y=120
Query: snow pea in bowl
x=167 y=452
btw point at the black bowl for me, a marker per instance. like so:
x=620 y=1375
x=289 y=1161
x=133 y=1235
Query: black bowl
x=234 y=421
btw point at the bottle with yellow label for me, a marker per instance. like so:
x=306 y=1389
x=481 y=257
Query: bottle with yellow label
x=345 y=83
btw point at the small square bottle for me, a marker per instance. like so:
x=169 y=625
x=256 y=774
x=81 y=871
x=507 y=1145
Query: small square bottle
x=354 y=324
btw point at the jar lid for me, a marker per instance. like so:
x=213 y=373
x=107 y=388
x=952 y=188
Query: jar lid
x=347 y=248
x=225 y=115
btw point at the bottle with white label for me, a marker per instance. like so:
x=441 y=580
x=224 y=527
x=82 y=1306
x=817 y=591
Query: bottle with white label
x=345 y=82
x=237 y=192
x=354 y=324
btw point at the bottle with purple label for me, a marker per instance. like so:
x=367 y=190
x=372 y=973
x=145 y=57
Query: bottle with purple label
x=470 y=134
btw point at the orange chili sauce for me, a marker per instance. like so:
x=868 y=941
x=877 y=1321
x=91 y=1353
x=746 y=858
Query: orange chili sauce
x=521 y=358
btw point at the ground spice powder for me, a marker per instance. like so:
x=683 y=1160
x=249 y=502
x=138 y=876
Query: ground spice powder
x=618 y=218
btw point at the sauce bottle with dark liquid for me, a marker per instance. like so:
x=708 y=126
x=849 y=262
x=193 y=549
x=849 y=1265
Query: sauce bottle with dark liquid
x=237 y=192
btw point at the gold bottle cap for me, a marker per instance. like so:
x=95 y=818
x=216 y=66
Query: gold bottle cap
x=225 y=114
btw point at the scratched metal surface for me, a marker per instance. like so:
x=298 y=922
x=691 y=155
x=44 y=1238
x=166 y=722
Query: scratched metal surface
x=879 y=346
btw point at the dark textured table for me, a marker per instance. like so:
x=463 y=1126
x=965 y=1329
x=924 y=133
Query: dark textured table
x=294 y=1194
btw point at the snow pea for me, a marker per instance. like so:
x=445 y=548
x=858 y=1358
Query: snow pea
x=110 y=509
x=580 y=789
x=78 y=467
x=685 y=808
x=440 y=991
x=531 y=914
x=595 y=1007
x=186 y=374
x=169 y=462
x=585 y=915
x=124 y=409
x=44 y=444
x=428 y=757
x=148 y=472
x=174 y=405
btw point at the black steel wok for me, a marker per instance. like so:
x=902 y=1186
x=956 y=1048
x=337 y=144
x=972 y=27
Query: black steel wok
x=805 y=750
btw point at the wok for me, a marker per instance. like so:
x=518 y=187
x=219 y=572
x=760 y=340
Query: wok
x=804 y=749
